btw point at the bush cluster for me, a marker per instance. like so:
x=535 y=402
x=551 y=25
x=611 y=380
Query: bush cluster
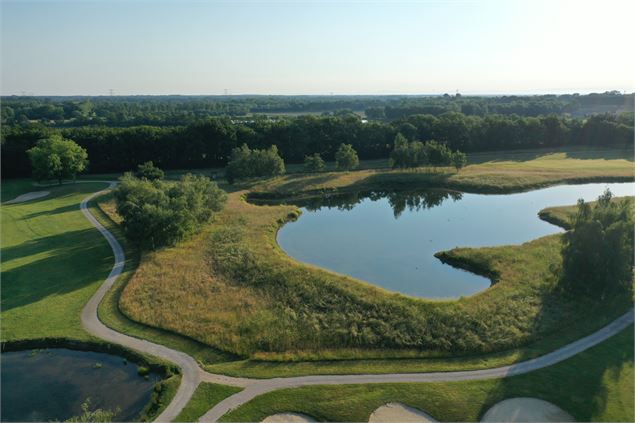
x=314 y=163
x=149 y=171
x=598 y=251
x=416 y=153
x=160 y=213
x=247 y=163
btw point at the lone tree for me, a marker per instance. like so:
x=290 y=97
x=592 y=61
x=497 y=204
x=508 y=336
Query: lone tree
x=314 y=163
x=458 y=159
x=149 y=171
x=346 y=157
x=57 y=158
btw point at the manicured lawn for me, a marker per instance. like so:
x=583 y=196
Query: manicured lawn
x=596 y=385
x=245 y=296
x=205 y=397
x=53 y=260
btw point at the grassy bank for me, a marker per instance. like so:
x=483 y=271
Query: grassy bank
x=246 y=296
x=563 y=215
x=596 y=385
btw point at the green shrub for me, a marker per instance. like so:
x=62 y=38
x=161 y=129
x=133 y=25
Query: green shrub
x=314 y=163
x=149 y=171
x=247 y=163
x=159 y=213
x=346 y=157
x=97 y=415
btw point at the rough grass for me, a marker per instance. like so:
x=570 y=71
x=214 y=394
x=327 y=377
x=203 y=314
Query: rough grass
x=233 y=288
x=104 y=209
x=205 y=397
x=596 y=385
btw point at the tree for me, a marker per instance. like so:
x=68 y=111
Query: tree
x=247 y=163
x=149 y=171
x=597 y=252
x=346 y=157
x=314 y=163
x=159 y=213
x=57 y=158
x=458 y=160
x=407 y=154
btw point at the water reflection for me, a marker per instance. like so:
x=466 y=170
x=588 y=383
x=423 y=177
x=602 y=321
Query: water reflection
x=389 y=237
x=400 y=201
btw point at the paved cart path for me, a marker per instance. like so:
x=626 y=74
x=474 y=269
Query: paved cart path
x=193 y=374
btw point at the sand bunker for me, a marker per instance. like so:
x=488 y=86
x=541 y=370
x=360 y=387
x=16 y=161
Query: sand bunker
x=396 y=412
x=526 y=410
x=288 y=418
x=28 y=197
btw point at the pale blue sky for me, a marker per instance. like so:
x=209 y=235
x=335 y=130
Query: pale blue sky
x=267 y=47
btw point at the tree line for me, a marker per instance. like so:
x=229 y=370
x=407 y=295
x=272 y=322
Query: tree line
x=74 y=111
x=209 y=142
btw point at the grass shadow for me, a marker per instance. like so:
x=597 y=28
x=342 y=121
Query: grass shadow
x=49 y=275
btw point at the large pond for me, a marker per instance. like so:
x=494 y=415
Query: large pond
x=389 y=239
x=47 y=385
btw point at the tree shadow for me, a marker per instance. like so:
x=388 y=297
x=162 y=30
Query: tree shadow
x=528 y=155
x=70 y=261
x=578 y=385
x=51 y=212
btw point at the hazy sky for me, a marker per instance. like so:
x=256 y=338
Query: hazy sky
x=267 y=47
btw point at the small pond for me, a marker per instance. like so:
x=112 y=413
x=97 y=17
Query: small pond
x=389 y=239
x=51 y=384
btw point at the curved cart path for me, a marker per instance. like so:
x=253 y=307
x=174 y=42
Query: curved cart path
x=192 y=374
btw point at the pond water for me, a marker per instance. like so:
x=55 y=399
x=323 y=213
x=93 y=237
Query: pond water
x=389 y=239
x=51 y=384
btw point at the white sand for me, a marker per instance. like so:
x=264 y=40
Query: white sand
x=526 y=410
x=288 y=418
x=396 y=412
x=28 y=196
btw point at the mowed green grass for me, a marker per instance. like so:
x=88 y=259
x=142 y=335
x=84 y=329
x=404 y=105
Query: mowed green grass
x=53 y=260
x=205 y=397
x=595 y=385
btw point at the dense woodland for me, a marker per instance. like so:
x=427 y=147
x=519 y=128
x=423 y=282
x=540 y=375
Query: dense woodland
x=119 y=133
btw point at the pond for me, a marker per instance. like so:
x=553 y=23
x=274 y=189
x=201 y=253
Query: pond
x=51 y=384
x=389 y=239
